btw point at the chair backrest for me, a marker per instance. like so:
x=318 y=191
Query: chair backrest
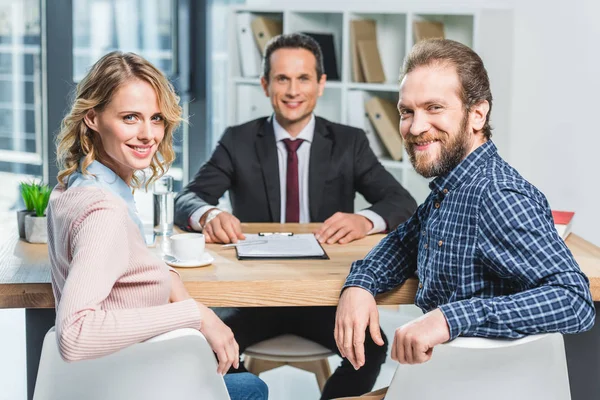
x=176 y=365
x=532 y=368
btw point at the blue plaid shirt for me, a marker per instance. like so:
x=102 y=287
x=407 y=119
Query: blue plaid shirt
x=484 y=248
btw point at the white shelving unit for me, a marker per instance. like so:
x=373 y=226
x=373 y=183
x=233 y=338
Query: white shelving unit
x=487 y=31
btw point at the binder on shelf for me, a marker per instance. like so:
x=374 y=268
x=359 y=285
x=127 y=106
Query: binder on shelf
x=251 y=103
x=360 y=29
x=385 y=118
x=358 y=117
x=428 y=30
x=265 y=29
x=370 y=61
x=250 y=58
x=243 y=108
x=327 y=44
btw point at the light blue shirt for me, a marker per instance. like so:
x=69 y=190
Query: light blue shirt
x=103 y=177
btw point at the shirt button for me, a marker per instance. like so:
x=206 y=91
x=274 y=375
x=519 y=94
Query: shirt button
x=445 y=191
x=420 y=286
x=437 y=205
x=440 y=243
x=425 y=245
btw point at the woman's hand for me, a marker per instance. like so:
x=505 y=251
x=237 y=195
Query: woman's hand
x=220 y=338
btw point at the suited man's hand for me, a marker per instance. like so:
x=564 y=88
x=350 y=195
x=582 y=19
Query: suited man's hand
x=343 y=228
x=224 y=228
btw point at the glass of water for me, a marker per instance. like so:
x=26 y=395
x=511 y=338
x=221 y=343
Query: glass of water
x=163 y=205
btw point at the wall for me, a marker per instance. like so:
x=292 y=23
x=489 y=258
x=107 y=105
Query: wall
x=554 y=138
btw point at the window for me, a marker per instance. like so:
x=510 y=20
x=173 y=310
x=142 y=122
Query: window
x=20 y=100
x=144 y=27
x=147 y=27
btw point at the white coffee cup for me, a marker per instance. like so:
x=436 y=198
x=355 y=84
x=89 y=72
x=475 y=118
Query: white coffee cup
x=187 y=246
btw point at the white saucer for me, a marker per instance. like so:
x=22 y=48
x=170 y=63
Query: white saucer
x=206 y=259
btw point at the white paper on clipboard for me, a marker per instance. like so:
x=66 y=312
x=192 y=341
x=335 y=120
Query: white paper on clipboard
x=282 y=246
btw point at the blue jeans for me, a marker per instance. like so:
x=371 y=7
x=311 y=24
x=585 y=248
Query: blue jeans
x=245 y=386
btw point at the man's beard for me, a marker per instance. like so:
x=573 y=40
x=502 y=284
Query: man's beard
x=451 y=153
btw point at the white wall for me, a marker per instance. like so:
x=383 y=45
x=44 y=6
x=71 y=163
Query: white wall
x=555 y=137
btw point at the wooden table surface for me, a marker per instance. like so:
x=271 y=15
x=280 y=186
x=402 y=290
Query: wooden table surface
x=25 y=274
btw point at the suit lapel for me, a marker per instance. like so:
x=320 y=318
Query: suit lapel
x=266 y=150
x=320 y=159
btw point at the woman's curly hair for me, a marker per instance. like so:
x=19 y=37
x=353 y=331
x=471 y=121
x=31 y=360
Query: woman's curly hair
x=76 y=143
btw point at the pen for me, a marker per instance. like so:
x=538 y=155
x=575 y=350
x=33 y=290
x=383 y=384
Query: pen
x=225 y=246
x=275 y=233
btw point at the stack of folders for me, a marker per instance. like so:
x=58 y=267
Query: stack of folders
x=276 y=246
x=253 y=33
x=358 y=117
x=384 y=116
x=366 y=60
x=428 y=30
x=264 y=30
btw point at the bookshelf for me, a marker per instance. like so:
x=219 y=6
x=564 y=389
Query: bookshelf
x=487 y=31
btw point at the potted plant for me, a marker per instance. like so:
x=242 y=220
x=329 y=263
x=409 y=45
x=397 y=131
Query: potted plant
x=36 y=230
x=26 y=189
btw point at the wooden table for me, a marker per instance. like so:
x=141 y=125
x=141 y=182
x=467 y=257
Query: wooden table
x=25 y=283
x=25 y=275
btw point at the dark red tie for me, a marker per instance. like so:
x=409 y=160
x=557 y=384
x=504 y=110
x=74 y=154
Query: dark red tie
x=292 y=193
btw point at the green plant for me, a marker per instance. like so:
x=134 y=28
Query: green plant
x=41 y=199
x=36 y=197
x=27 y=193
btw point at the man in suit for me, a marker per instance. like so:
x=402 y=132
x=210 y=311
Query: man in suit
x=296 y=167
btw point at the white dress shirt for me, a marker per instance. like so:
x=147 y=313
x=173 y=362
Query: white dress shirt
x=303 y=153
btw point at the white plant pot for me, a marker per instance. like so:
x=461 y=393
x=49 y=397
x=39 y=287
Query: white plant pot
x=36 y=229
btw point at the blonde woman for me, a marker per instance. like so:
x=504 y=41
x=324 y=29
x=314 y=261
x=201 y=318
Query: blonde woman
x=110 y=290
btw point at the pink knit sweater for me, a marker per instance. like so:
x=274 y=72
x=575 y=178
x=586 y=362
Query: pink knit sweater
x=110 y=290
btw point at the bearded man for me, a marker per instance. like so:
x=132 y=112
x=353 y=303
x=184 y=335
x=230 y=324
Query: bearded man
x=483 y=244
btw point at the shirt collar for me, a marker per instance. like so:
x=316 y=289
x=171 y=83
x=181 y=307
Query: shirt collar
x=111 y=180
x=306 y=134
x=465 y=170
x=99 y=174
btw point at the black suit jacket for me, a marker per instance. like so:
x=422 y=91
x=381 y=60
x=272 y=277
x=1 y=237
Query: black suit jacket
x=341 y=164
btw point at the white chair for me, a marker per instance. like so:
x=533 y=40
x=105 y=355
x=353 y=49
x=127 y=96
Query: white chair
x=291 y=350
x=176 y=365
x=532 y=368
